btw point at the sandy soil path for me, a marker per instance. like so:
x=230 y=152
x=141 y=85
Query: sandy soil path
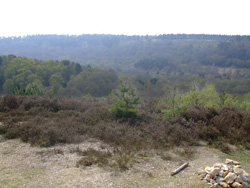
x=23 y=166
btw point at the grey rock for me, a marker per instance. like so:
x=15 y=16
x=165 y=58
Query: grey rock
x=221 y=173
x=245 y=173
x=202 y=173
x=212 y=181
x=226 y=175
x=230 y=168
x=207 y=178
x=229 y=161
x=245 y=185
x=216 y=185
x=224 y=167
x=219 y=165
x=208 y=169
x=214 y=172
x=224 y=184
x=230 y=177
x=236 y=163
x=243 y=178
x=219 y=179
x=204 y=180
x=239 y=179
x=238 y=171
x=236 y=185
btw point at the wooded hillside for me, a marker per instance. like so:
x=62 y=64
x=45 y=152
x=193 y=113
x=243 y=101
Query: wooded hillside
x=55 y=77
x=153 y=63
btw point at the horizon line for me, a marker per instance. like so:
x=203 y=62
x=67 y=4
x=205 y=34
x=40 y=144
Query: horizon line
x=23 y=36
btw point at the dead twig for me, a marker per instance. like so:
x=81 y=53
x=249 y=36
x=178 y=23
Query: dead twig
x=180 y=168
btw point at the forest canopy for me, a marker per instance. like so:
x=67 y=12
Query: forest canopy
x=55 y=77
x=121 y=52
x=152 y=63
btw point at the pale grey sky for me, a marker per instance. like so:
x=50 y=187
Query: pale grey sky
x=140 y=17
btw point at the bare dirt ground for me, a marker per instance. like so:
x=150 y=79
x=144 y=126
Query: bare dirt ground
x=23 y=166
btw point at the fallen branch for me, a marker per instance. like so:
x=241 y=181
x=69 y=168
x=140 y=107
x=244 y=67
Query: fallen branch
x=180 y=168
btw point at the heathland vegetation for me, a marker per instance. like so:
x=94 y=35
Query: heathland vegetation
x=174 y=90
x=44 y=121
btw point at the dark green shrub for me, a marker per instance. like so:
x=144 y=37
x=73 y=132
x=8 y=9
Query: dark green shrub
x=30 y=90
x=124 y=102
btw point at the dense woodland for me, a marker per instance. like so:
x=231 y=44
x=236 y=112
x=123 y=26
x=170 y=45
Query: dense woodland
x=55 y=78
x=152 y=63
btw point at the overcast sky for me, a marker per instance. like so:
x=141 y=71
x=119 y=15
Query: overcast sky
x=140 y=17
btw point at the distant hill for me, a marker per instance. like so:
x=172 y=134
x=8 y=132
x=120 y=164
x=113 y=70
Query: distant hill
x=153 y=63
x=130 y=53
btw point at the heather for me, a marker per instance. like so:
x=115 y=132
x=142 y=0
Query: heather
x=46 y=121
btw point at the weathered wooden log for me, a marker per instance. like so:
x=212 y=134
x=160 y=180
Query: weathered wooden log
x=180 y=168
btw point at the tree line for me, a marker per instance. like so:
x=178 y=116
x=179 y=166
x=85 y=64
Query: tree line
x=130 y=53
x=66 y=78
x=55 y=78
x=151 y=63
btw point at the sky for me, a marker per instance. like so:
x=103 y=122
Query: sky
x=129 y=17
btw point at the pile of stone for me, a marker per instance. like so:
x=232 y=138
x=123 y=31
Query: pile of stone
x=228 y=174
